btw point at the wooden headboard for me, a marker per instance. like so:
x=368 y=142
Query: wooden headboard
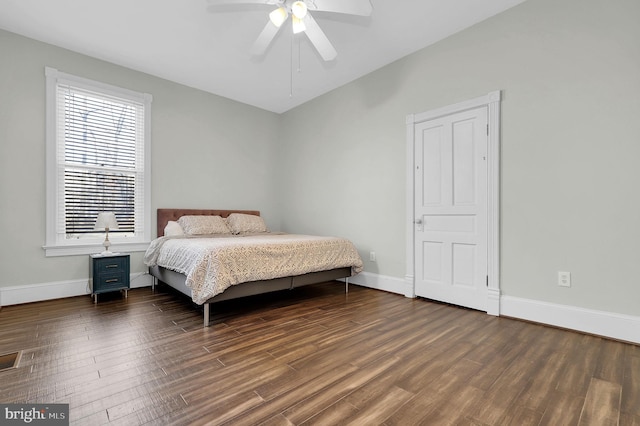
x=165 y=215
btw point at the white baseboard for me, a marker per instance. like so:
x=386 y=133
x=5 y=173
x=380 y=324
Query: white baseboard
x=382 y=282
x=607 y=324
x=601 y=323
x=28 y=293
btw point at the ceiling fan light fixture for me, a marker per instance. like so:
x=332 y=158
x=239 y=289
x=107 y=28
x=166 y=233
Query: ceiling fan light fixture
x=299 y=9
x=302 y=19
x=298 y=25
x=278 y=16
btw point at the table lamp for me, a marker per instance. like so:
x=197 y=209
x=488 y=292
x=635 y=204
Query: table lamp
x=106 y=221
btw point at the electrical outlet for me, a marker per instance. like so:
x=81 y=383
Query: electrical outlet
x=372 y=256
x=564 y=279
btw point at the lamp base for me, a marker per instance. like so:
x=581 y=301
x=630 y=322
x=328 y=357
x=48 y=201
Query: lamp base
x=106 y=243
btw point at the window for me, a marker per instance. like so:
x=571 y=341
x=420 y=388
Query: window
x=97 y=161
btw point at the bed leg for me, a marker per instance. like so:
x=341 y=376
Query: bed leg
x=206 y=315
x=346 y=285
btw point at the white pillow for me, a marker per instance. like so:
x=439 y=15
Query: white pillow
x=173 y=229
x=203 y=225
x=242 y=223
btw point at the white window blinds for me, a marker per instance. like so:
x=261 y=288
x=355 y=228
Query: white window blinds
x=102 y=156
x=98 y=157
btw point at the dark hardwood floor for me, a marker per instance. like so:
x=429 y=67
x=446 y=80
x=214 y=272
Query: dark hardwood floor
x=310 y=356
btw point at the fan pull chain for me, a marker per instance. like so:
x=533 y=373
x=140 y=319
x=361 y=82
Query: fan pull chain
x=291 y=68
x=299 y=58
x=299 y=69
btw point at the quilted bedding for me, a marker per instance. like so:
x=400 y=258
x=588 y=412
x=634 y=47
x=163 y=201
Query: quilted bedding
x=214 y=263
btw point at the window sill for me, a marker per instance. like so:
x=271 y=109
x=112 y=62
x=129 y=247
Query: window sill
x=80 y=249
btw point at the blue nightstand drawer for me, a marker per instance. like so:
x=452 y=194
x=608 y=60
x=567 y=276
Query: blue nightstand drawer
x=110 y=282
x=109 y=273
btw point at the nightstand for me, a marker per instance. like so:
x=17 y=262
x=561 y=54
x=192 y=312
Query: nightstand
x=109 y=273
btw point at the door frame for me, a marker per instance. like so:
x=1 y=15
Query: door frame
x=492 y=102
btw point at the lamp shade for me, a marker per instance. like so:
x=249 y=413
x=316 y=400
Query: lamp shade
x=298 y=25
x=299 y=9
x=278 y=16
x=105 y=221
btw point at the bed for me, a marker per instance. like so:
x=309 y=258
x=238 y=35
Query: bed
x=212 y=268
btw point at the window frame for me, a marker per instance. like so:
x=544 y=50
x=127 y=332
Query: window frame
x=56 y=244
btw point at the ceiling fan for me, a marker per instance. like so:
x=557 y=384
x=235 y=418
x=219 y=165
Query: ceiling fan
x=301 y=20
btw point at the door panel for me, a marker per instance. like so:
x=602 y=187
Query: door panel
x=433 y=269
x=451 y=209
x=464 y=178
x=432 y=160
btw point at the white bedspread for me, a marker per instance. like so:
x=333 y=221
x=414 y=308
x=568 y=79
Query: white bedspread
x=212 y=264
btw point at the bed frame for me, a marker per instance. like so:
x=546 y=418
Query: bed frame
x=177 y=280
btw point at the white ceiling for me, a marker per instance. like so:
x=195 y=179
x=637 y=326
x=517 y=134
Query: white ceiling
x=181 y=41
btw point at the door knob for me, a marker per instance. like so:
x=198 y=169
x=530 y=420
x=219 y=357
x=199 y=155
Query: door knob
x=418 y=221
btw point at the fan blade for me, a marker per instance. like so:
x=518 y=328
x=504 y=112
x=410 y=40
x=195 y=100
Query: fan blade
x=264 y=39
x=225 y=2
x=351 y=7
x=318 y=39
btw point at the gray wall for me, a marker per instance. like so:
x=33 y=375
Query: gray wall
x=570 y=76
x=207 y=152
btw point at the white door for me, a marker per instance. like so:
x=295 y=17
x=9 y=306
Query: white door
x=451 y=208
